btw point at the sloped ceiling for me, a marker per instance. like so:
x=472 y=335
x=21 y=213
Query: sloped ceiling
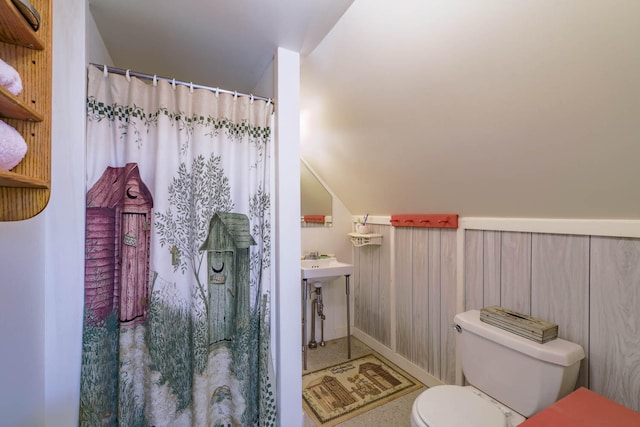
x=221 y=43
x=483 y=108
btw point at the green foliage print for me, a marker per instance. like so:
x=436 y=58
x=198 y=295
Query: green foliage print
x=133 y=120
x=98 y=380
x=194 y=195
x=169 y=339
x=253 y=367
x=267 y=394
x=259 y=208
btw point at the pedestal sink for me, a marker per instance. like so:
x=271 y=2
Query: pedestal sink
x=323 y=270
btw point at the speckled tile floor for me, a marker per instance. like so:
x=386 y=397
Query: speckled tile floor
x=395 y=413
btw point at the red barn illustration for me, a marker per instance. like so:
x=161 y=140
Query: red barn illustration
x=117 y=246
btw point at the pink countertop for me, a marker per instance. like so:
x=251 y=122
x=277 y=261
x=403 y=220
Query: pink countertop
x=584 y=408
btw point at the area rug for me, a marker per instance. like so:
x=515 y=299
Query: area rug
x=339 y=392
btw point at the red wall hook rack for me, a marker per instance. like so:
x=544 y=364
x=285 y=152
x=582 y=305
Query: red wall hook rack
x=425 y=220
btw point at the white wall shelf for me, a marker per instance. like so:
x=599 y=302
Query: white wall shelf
x=359 y=240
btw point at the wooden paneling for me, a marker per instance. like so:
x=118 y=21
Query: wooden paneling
x=404 y=290
x=366 y=288
x=614 y=369
x=372 y=288
x=473 y=270
x=374 y=295
x=356 y=285
x=492 y=242
x=560 y=287
x=379 y=294
x=434 y=364
x=420 y=297
x=448 y=252
x=425 y=286
x=589 y=286
x=515 y=272
x=384 y=318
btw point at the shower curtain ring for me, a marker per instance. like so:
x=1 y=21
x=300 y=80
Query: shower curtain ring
x=251 y=97
x=235 y=95
x=173 y=83
x=217 y=92
x=127 y=76
x=105 y=71
x=191 y=87
x=155 y=80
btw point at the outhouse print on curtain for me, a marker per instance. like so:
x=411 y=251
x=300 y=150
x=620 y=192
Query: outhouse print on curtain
x=177 y=267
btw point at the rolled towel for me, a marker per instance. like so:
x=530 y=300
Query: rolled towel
x=314 y=218
x=12 y=147
x=10 y=78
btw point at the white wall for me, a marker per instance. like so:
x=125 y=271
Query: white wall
x=97 y=52
x=287 y=239
x=331 y=240
x=22 y=299
x=64 y=245
x=265 y=86
x=41 y=260
x=487 y=108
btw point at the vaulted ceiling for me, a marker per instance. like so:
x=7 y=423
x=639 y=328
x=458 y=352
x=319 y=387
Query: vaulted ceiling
x=482 y=108
x=491 y=108
x=221 y=43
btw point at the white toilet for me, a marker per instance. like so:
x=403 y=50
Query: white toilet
x=511 y=378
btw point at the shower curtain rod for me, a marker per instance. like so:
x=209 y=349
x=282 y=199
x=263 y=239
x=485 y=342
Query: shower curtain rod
x=178 y=82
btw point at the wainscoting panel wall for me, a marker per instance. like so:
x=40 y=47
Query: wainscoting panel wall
x=447 y=283
x=425 y=283
x=560 y=287
x=615 y=319
x=404 y=308
x=515 y=271
x=588 y=285
x=424 y=286
x=372 y=288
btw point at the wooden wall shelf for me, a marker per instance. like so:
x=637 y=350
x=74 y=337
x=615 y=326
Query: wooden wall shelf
x=25 y=190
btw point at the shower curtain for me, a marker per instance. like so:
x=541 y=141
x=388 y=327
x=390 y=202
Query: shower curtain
x=177 y=257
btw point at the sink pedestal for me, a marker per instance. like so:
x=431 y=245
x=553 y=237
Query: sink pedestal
x=305 y=297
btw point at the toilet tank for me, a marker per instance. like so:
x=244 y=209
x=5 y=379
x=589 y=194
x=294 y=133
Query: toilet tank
x=522 y=374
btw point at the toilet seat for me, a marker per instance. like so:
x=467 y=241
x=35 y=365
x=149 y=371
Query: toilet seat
x=456 y=406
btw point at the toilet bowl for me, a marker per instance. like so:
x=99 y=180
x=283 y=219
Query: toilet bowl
x=457 y=406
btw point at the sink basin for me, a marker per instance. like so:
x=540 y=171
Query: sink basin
x=324 y=269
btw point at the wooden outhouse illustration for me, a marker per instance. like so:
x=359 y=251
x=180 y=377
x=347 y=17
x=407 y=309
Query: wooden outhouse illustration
x=228 y=245
x=379 y=376
x=117 y=246
x=330 y=393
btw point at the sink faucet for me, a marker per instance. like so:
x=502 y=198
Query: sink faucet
x=312 y=255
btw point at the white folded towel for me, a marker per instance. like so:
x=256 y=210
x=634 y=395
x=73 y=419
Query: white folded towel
x=12 y=147
x=10 y=78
